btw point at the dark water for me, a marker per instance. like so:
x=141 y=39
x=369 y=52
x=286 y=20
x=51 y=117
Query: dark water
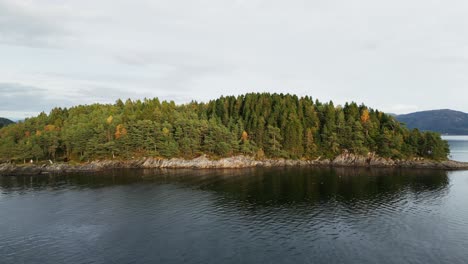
x=294 y=215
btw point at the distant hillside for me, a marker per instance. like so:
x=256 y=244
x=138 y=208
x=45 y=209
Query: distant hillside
x=4 y=122
x=444 y=121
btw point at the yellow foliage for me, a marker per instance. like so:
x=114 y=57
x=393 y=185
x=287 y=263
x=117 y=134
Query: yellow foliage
x=110 y=119
x=365 y=116
x=244 y=136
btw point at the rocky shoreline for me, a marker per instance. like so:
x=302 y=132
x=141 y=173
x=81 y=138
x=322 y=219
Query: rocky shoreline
x=203 y=162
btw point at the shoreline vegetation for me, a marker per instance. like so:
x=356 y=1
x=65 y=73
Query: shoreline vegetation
x=236 y=162
x=255 y=129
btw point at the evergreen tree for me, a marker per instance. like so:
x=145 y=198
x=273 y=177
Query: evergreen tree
x=257 y=124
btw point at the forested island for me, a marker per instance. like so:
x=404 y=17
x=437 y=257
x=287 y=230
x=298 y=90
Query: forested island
x=256 y=125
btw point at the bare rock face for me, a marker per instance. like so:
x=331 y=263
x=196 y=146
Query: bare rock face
x=204 y=162
x=353 y=160
x=6 y=167
x=347 y=159
x=381 y=162
x=11 y=169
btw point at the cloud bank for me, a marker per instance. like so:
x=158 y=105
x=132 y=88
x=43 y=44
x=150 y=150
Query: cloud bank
x=397 y=56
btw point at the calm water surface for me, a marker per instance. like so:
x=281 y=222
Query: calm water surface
x=458 y=147
x=294 y=215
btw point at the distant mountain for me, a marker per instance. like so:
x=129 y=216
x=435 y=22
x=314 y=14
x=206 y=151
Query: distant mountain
x=444 y=121
x=4 y=122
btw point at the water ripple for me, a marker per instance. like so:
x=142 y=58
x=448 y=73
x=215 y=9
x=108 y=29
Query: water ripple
x=232 y=216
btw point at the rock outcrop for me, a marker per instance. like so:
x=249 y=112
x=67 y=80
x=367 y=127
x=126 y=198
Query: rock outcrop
x=203 y=162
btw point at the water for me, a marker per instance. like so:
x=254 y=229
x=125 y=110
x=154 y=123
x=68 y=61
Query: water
x=293 y=215
x=458 y=147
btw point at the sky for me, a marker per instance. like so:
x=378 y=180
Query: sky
x=397 y=56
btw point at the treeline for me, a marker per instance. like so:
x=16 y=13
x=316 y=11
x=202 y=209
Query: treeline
x=261 y=125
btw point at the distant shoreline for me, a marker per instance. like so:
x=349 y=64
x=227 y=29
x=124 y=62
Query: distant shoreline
x=235 y=162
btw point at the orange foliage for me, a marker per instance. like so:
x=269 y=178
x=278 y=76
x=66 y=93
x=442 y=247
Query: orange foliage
x=49 y=128
x=120 y=131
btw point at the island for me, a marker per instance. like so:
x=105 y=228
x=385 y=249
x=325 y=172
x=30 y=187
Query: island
x=256 y=129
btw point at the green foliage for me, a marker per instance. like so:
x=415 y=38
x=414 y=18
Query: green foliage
x=258 y=124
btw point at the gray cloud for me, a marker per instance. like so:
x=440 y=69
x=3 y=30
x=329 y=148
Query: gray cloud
x=396 y=56
x=17 y=97
x=20 y=25
x=14 y=90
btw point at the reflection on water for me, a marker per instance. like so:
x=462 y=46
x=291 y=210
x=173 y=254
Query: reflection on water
x=287 y=215
x=262 y=187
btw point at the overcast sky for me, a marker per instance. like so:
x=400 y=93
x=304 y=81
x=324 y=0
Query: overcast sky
x=399 y=56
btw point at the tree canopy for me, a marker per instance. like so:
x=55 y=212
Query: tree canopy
x=256 y=124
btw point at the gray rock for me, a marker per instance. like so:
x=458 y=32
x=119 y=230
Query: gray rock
x=204 y=162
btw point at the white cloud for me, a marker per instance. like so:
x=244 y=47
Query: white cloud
x=401 y=109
